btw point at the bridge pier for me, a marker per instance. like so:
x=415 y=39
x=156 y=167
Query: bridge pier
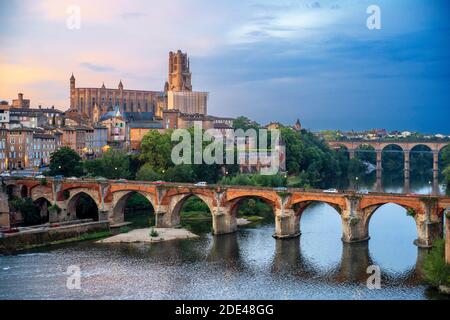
x=62 y=215
x=162 y=219
x=287 y=224
x=406 y=187
x=354 y=261
x=353 y=224
x=435 y=189
x=5 y=221
x=379 y=171
x=223 y=222
x=429 y=227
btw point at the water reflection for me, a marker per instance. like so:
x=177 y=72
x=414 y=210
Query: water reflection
x=248 y=264
x=354 y=262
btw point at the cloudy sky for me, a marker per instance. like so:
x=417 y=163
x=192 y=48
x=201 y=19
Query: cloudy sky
x=271 y=60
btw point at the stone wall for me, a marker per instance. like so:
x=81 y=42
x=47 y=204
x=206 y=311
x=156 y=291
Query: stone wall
x=19 y=241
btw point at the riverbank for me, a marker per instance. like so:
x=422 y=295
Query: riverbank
x=150 y=235
x=47 y=235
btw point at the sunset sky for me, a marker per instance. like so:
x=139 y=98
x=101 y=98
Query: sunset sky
x=270 y=60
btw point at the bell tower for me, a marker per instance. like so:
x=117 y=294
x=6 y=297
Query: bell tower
x=179 y=72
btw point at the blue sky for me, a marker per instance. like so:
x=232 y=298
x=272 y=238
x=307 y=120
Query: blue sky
x=271 y=60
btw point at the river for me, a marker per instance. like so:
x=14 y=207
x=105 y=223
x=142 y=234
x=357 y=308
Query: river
x=249 y=264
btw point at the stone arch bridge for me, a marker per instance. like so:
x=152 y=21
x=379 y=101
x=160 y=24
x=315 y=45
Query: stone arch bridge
x=405 y=146
x=287 y=205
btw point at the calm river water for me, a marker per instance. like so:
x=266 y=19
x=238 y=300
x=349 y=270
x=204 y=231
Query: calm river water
x=249 y=264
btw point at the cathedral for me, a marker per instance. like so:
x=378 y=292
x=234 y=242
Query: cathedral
x=91 y=103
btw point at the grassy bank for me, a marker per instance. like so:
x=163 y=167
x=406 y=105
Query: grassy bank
x=437 y=271
x=195 y=215
x=82 y=237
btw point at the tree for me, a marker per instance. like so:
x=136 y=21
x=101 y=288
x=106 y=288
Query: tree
x=446 y=173
x=437 y=271
x=29 y=210
x=112 y=165
x=180 y=173
x=147 y=173
x=156 y=150
x=245 y=123
x=66 y=162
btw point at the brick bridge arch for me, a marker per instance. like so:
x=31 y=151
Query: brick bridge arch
x=355 y=209
x=120 y=198
x=75 y=194
x=41 y=191
x=234 y=197
x=174 y=200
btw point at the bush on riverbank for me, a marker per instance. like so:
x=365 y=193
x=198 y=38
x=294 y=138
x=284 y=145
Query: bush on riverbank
x=30 y=211
x=437 y=272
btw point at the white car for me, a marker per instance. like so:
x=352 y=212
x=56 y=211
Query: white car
x=332 y=190
x=40 y=176
x=201 y=184
x=72 y=178
x=5 y=174
x=363 y=191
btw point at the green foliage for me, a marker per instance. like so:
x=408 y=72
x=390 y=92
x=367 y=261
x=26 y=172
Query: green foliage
x=137 y=202
x=194 y=204
x=312 y=160
x=30 y=211
x=54 y=208
x=446 y=173
x=254 y=206
x=366 y=153
x=431 y=201
x=124 y=229
x=43 y=182
x=15 y=202
x=195 y=215
x=156 y=149
x=437 y=271
x=356 y=168
x=180 y=173
x=112 y=165
x=65 y=161
x=153 y=233
x=245 y=123
x=147 y=173
x=411 y=212
x=421 y=163
x=255 y=180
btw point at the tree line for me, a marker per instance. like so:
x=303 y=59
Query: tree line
x=310 y=163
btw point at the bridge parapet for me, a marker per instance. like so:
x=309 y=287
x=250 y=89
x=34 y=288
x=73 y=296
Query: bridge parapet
x=288 y=204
